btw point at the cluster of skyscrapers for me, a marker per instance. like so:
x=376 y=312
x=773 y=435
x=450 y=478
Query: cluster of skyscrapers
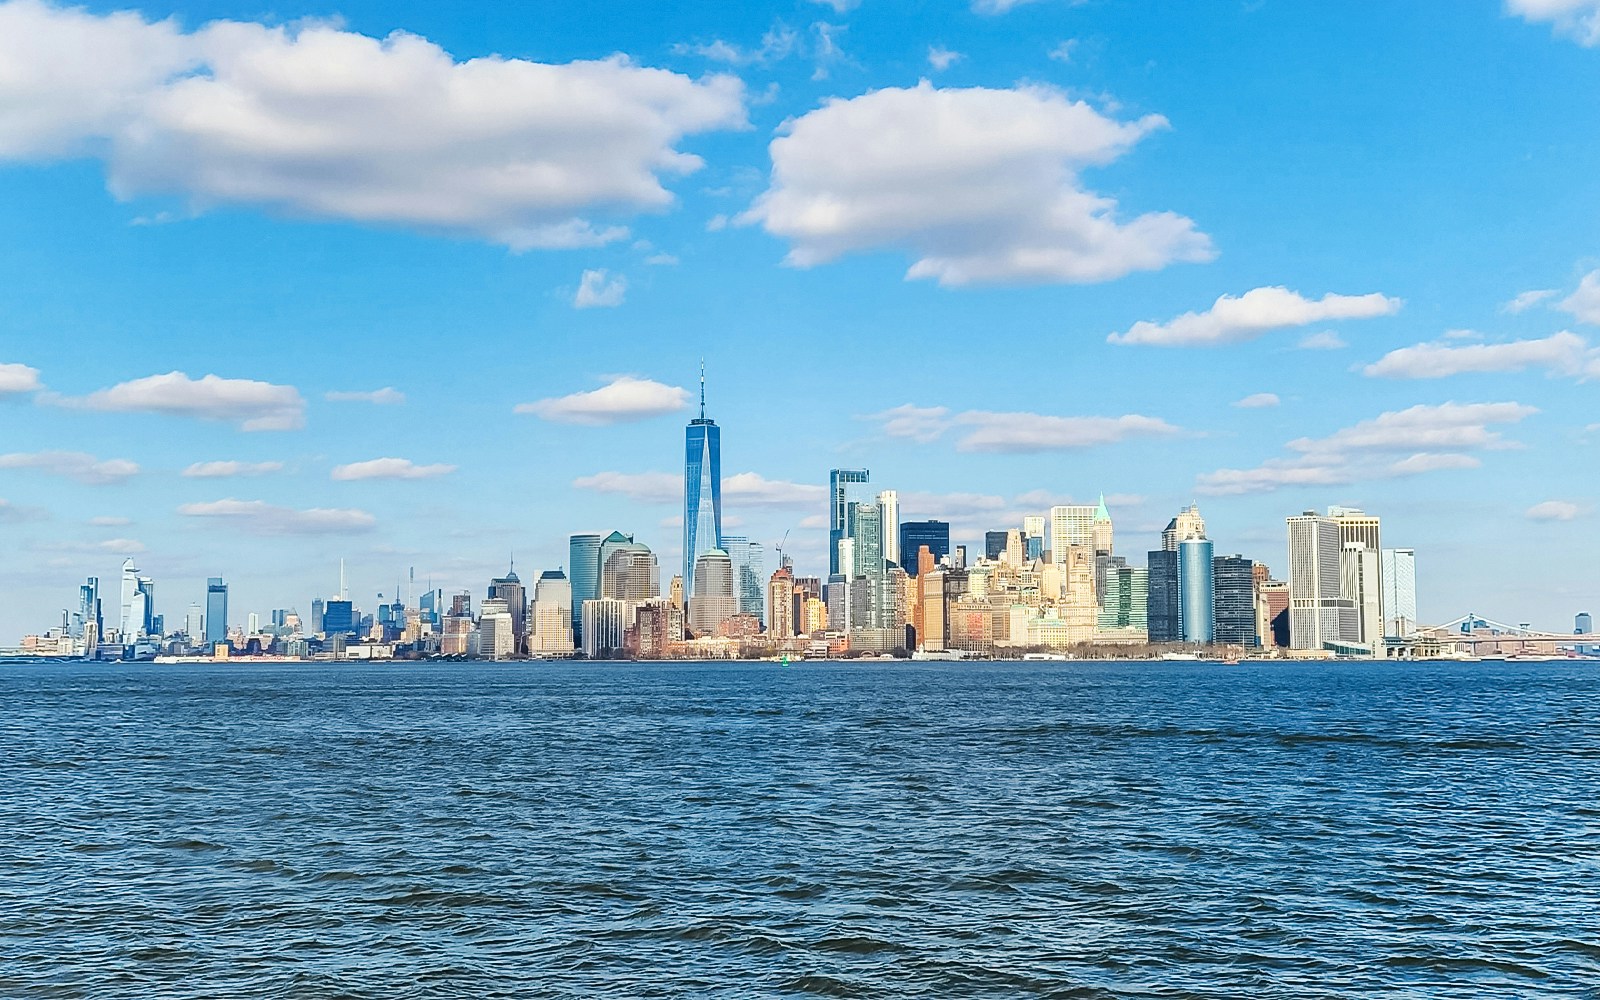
x=1054 y=582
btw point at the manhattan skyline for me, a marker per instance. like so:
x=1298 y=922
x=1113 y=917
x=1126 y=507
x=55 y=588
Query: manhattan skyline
x=1381 y=291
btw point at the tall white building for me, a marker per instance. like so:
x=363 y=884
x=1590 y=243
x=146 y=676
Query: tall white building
x=496 y=637
x=1399 y=572
x=1318 y=613
x=131 y=611
x=193 y=626
x=552 y=614
x=605 y=625
x=1358 y=583
x=889 y=506
x=1188 y=524
x=713 y=601
x=1071 y=524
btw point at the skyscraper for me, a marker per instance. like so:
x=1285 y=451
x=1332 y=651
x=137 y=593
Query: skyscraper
x=915 y=534
x=749 y=575
x=712 y=601
x=1196 y=593
x=1188 y=524
x=1399 y=580
x=780 y=602
x=1071 y=524
x=509 y=588
x=994 y=545
x=216 y=611
x=889 y=505
x=583 y=567
x=629 y=571
x=552 y=613
x=702 y=490
x=839 y=482
x=1127 y=599
x=1234 y=601
x=1358 y=583
x=1318 y=614
x=131 y=611
x=1162 y=596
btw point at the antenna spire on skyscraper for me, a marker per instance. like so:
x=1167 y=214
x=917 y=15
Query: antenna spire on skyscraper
x=702 y=388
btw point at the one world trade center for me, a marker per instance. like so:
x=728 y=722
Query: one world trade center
x=702 y=489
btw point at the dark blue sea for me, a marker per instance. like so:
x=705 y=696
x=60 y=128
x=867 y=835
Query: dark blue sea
x=751 y=830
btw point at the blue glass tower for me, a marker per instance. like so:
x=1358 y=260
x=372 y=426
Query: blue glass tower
x=839 y=524
x=583 y=563
x=216 y=611
x=702 y=490
x=1196 y=594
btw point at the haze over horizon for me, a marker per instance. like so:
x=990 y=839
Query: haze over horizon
x=420 y=286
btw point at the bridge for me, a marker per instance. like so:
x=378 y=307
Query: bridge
x=1480 y=636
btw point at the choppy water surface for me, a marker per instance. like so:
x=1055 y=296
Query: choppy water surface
x=918 y=830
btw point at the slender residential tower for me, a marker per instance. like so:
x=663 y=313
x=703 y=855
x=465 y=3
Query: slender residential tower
x=702 y=489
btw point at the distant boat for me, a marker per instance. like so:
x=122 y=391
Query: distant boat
x=1186 y=657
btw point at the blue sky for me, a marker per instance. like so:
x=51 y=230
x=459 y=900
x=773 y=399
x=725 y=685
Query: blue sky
x=1002 y=254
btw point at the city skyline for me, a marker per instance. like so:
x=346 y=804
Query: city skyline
x=1377 y=314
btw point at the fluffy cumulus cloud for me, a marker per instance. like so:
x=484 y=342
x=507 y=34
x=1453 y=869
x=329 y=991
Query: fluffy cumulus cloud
x=311 y=120
x=1577 y=19
x=1016 y=432
x=1555 y=510
x=599 y=290
x=15 y=379
x=621 y=400
x=1584 y=304
x=1258 y=401
x=262 y=518
x=388 y=468
x=76 y=465
x=229 y=469
x=253 y=405
x=978 y=185
x=1563 y=353
x=1232 y=319
x=387 y=396
x=1407 y=442
x=941 y=58
x=749 y=489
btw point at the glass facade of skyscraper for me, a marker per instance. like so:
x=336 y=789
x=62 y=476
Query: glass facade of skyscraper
x=839 y=526
x=1162 y=599
x=915 y=534
x=702 y=494
x=216 y=611
x=583 y=567
x=1234 y=600
x=1196 y=621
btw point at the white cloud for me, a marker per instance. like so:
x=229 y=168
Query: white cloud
x=1555 y=510
x=72 y=77
x=262 y=518
x=1585 y=302
x=1232 y=319
x=223 y=470
x=754 y=489
x=1561 y=353
x=1015 y=433
x=253 y=405
x=16 y=379
x=744 y=489
x=941 y=58
x=1325 y=340
x=599 y=290
x=1024 y=433
x=1527 y=300
x=839 y=6
x=76 y=465
x=1062 y=52
x=621 y=400
x=387 y=396
x=313 y=121
x=661 y=260
x=779 y=42
x=977 y=185
x=1577 y=19
x=1406 y=442
x=110 y=522
x=388 y=468
x=1258 y=401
